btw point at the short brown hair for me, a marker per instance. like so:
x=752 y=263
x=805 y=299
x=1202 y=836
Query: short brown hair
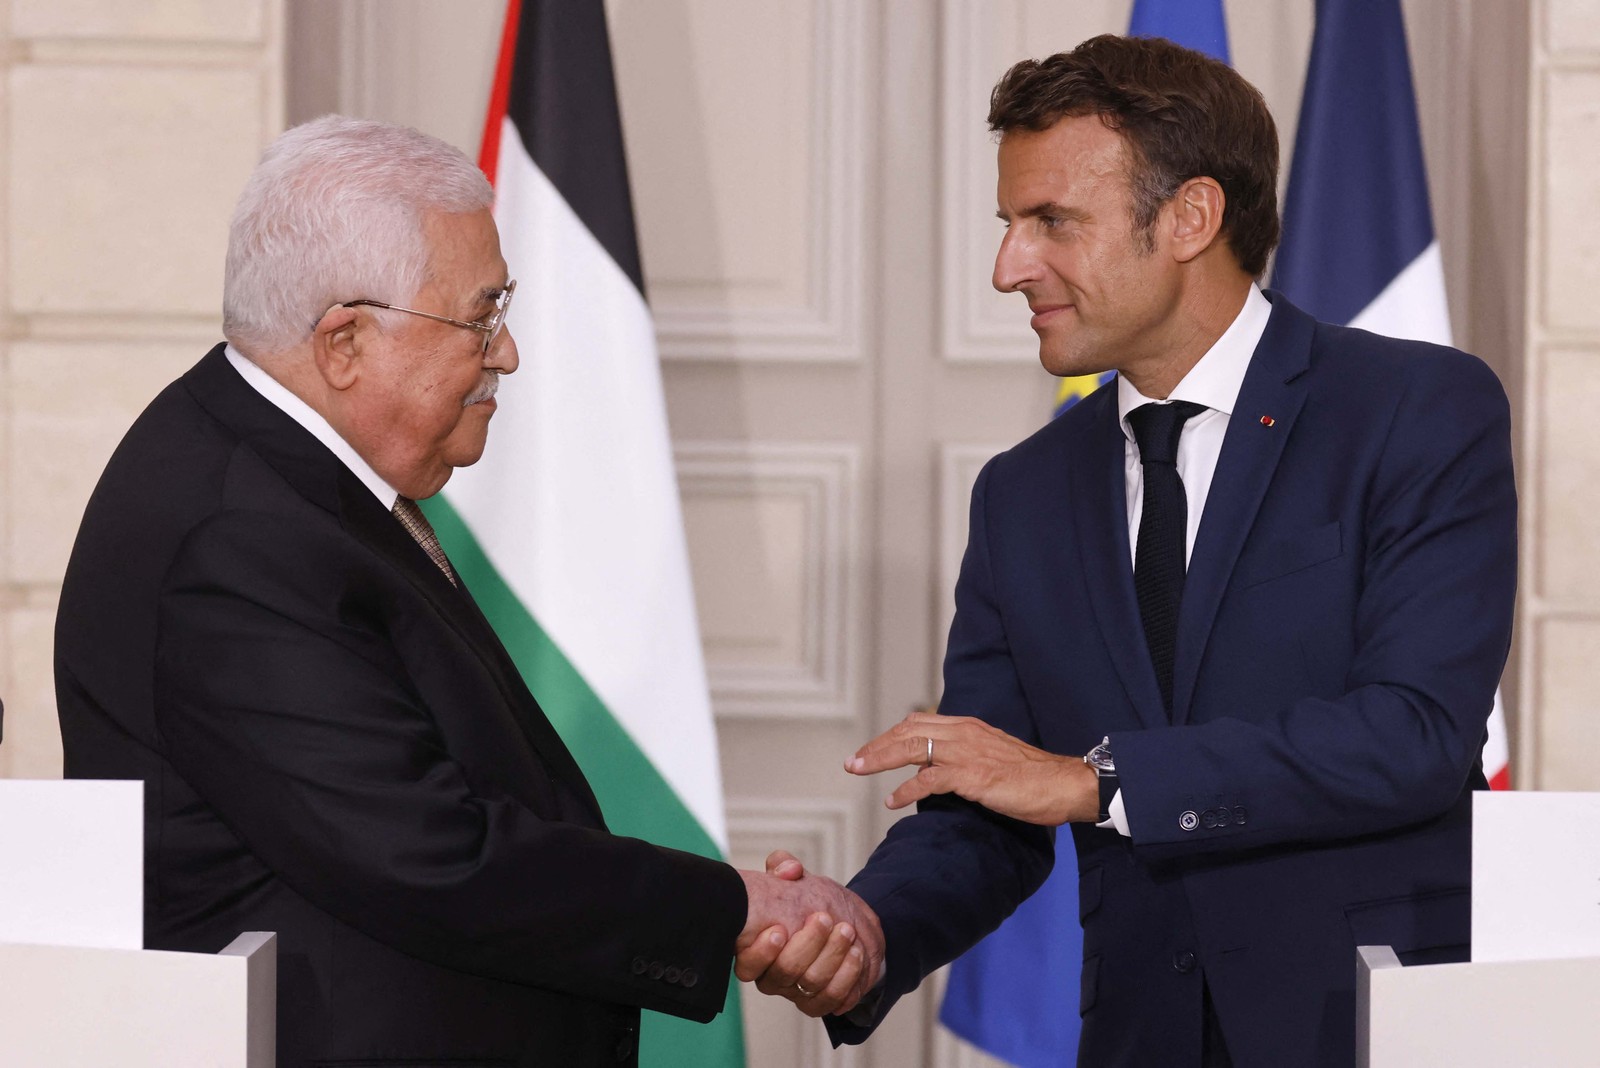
x=1182 y=115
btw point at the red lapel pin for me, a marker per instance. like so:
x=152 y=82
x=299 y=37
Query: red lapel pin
x=1267 y=420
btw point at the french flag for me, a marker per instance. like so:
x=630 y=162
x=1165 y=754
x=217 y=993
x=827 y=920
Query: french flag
x=1358 y=242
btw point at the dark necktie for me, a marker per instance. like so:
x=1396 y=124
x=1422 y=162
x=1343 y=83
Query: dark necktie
x=417 y=525
x=1158 y=565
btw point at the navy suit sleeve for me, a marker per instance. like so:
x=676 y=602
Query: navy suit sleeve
x=948 y=875
x=1430 y=633
x=282 y=701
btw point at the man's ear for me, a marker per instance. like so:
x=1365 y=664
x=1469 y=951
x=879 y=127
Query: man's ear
x=1195 y=217
x=335 y=348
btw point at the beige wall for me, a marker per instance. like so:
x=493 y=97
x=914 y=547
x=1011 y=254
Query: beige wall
x=1560 y=624
x=126 y=131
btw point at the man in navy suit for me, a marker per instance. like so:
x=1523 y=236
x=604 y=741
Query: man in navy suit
x=1238 y=619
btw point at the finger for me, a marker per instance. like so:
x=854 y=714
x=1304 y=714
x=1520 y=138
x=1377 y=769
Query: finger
x=757 y=957
x=887 y=753
x=906 y=743
x=839 y=993
x=934 y=780
x=888 y=740
x=804 y=947
x=819 y=973
x=784 y=865
x=846 y=990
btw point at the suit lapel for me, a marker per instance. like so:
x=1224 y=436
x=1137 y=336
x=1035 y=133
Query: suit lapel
x=315 y=473
x=1100 y=518
x=1274 y=386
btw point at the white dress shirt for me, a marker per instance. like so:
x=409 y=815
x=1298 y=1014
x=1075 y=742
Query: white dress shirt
x=1213 y=382
x=312 y=420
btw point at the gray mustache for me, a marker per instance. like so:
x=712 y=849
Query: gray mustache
x=489 y=387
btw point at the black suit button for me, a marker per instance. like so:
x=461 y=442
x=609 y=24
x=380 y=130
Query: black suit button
x=1183 y=962
x=639 y=965
x=657 y=970
x=1209 y=818
x=674 y=974
x=1238 y=815
x=1188 y=821
x=690 y=977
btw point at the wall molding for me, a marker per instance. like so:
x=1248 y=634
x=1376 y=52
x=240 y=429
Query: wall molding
x=827 y=327
x=825 y=479
x=974 y=326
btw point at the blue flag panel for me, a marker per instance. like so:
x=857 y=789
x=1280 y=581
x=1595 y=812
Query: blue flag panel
x=1357 y=209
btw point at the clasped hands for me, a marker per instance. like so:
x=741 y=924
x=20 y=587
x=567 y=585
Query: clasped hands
x=816 y=943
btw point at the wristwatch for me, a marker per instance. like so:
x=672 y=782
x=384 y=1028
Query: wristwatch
x=1099 y=758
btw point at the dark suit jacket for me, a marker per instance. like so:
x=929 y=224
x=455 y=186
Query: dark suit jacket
x=335 y=747
x=1344 y=624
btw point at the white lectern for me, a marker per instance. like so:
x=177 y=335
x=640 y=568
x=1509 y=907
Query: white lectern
x=139 y=1008
x=1489 y=1013
x=1530 y=993
x=75 y=988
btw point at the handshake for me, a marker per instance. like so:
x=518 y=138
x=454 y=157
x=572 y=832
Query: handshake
x=808 y=939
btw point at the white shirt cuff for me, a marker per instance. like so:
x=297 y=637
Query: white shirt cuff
x=1119 y=816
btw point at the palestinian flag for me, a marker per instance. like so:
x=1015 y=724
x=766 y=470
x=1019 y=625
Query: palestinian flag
x=569 y=530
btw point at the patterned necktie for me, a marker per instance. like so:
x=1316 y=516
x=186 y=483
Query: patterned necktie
x=417 y=525
x=1158 y=568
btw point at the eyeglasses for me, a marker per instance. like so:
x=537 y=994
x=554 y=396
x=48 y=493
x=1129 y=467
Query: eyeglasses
x=490 y=329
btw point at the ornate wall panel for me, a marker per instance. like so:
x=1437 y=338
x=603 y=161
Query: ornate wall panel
x=773 y=545
x=747 y=121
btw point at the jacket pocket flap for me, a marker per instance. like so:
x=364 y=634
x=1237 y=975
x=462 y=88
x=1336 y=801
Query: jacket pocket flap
x=1285 y=556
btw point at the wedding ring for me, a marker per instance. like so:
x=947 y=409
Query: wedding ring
x=803 y=991
x=930 y=752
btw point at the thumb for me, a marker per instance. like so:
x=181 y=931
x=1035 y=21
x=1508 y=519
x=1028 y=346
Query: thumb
x=784 y=865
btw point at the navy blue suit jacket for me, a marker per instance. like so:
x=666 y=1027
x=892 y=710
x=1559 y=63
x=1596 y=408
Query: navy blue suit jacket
x=1345 y=621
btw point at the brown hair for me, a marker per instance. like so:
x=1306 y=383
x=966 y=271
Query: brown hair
x=1181 y=114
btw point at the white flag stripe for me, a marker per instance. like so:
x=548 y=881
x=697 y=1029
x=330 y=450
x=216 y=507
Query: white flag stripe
x=1413 y=304
x=1496 y=751
x=575 y=501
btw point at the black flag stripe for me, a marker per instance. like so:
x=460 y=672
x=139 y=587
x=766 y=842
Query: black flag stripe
x=563 y=102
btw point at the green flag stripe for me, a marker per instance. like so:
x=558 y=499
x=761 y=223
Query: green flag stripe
x=635 y=798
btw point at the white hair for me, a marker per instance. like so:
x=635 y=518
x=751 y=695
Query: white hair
x=334 y=212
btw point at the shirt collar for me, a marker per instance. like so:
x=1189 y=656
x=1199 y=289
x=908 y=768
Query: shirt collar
x=1215 y=380
x=319 y=428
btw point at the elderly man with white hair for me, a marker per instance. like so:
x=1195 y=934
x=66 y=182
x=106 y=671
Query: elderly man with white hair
x=258 y=622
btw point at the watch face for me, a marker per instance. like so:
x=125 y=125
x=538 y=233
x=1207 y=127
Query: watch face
x=1099 y=758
